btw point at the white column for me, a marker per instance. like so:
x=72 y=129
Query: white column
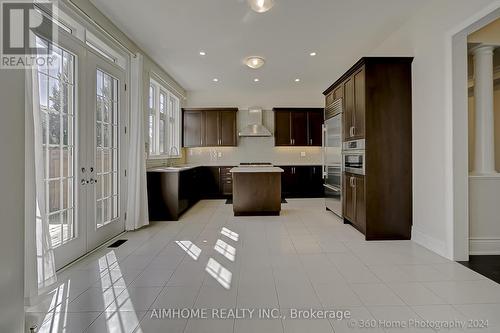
x=484 y=159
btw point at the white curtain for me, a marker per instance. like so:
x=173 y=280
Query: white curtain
x=39 y=260
x=137 y=198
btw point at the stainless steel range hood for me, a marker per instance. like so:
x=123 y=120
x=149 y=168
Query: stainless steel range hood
x=254 y=127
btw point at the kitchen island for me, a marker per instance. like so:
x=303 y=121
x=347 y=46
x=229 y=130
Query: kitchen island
x=256 y=190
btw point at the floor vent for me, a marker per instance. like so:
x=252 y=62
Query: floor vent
x=117 y=243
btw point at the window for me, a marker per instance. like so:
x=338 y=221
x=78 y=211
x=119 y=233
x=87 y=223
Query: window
x=163 y=122
x=56 y=91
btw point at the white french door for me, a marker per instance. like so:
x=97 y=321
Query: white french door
x=105 y=153
x=82 y=111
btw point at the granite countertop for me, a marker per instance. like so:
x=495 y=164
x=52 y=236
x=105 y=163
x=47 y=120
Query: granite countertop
x=178 y=168
x=256 y=169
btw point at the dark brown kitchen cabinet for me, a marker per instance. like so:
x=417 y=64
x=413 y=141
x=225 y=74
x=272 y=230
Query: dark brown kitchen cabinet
x=209 y=127
x=315 y=128
x=193 y=129
x=282 y=129
x=348 y=117
x=298 y=123
x=298 y=126
x=227 y=130
x=359 y=105
x=377 y=108
x=354 y=200
x=302 y=181
x=354 y=105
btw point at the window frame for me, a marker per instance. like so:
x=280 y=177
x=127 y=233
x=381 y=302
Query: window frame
x=161 y=109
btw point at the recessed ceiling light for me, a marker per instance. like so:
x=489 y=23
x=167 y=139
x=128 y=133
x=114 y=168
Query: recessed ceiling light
x=215 y=79
x=254 y=62
x=297 y=80
x=261 y=6
x=256 y=80
x=312 y=54
x=203 y=53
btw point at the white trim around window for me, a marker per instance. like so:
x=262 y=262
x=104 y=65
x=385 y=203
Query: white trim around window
x=164 y=125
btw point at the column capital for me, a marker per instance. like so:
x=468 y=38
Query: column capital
x=483 y=49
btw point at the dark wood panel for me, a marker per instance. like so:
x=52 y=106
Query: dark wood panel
x=282 y=128
x=360 y=205
x=227 y=128
x=211 y=128
x=359 y=104
x=349 y=198
x=299 y=128
x=257 y=193
x=315 y=128
x=192 y=128
x=348 y=118
x=389 y=149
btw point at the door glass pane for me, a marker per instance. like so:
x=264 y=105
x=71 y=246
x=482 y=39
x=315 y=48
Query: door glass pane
x=106 y=148
x=56 y=89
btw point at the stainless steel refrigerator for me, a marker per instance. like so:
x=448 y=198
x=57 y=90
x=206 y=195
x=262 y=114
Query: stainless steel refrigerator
x=332 y=160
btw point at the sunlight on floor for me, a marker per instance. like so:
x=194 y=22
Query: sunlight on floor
x=219 y=273
x=192 y=250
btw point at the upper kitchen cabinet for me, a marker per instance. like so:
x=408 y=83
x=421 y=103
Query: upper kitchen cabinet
x=193 y=129
x=209 y=127
x=353 y=88
x=298 y=126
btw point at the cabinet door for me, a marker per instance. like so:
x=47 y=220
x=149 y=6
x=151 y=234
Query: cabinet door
x=282 y=133
x=211 y=128
x=288 y=181
x=349 y=198
x=348 y=108
x=360 y=206
x=227 y=128
x=316 y=188
x=315 y=129
x=193 y=128
x=299 y=128
x=338 y=92
x=359 y=104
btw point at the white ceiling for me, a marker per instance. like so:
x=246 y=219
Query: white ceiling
x=173 y=32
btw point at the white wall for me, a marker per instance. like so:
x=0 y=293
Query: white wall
x=427 y=37
x=12 y=201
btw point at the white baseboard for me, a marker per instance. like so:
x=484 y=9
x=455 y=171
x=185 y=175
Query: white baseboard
x=484 y=246
x=429 y=242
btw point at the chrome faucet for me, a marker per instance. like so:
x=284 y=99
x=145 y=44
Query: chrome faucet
x=173 y=148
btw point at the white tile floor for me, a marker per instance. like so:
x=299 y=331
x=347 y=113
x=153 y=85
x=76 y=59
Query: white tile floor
x=305 y=258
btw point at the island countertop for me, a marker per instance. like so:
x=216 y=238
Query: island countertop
x=265 y=169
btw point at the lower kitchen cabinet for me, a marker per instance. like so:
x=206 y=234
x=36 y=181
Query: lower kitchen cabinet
x=302 y=181
x=217 y=182
x=170 y=194
x=355 y=200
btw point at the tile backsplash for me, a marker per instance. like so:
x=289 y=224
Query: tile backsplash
x=254 y=150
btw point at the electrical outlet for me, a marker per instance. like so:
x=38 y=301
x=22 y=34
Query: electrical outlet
x=302 y=154
x=219 y=154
